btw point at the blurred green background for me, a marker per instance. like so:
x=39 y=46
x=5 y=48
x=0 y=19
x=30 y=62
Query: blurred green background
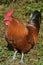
x=23 y=9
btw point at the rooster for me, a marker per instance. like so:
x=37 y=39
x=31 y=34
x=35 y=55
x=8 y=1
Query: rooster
x=20 y=36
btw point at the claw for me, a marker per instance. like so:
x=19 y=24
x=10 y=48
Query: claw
x=21 y=62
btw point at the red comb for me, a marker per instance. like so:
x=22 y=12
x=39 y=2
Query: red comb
x=8 y=14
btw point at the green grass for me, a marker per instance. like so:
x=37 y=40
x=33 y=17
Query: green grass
x=22 y=12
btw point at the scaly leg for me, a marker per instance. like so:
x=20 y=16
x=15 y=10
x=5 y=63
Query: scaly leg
x=14 y=56
x=21 y=61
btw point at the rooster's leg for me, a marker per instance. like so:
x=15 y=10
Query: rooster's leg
x=21 y=61
x=14 y=56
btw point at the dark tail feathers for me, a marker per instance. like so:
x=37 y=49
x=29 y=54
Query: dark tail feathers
x=36 y=15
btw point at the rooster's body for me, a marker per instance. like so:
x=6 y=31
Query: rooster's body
x=22 y=37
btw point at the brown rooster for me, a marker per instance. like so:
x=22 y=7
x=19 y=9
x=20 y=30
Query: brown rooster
x=22 y=37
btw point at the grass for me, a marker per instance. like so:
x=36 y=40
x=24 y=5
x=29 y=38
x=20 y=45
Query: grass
x=22 y=11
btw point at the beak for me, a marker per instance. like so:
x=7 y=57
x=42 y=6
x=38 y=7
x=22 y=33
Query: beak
x=4 y=20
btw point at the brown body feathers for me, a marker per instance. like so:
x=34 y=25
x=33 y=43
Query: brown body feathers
x=23 y=37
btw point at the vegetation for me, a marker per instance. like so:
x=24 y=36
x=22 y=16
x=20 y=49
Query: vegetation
x=23 y=9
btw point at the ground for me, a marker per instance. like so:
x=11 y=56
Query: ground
x=22 y=12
